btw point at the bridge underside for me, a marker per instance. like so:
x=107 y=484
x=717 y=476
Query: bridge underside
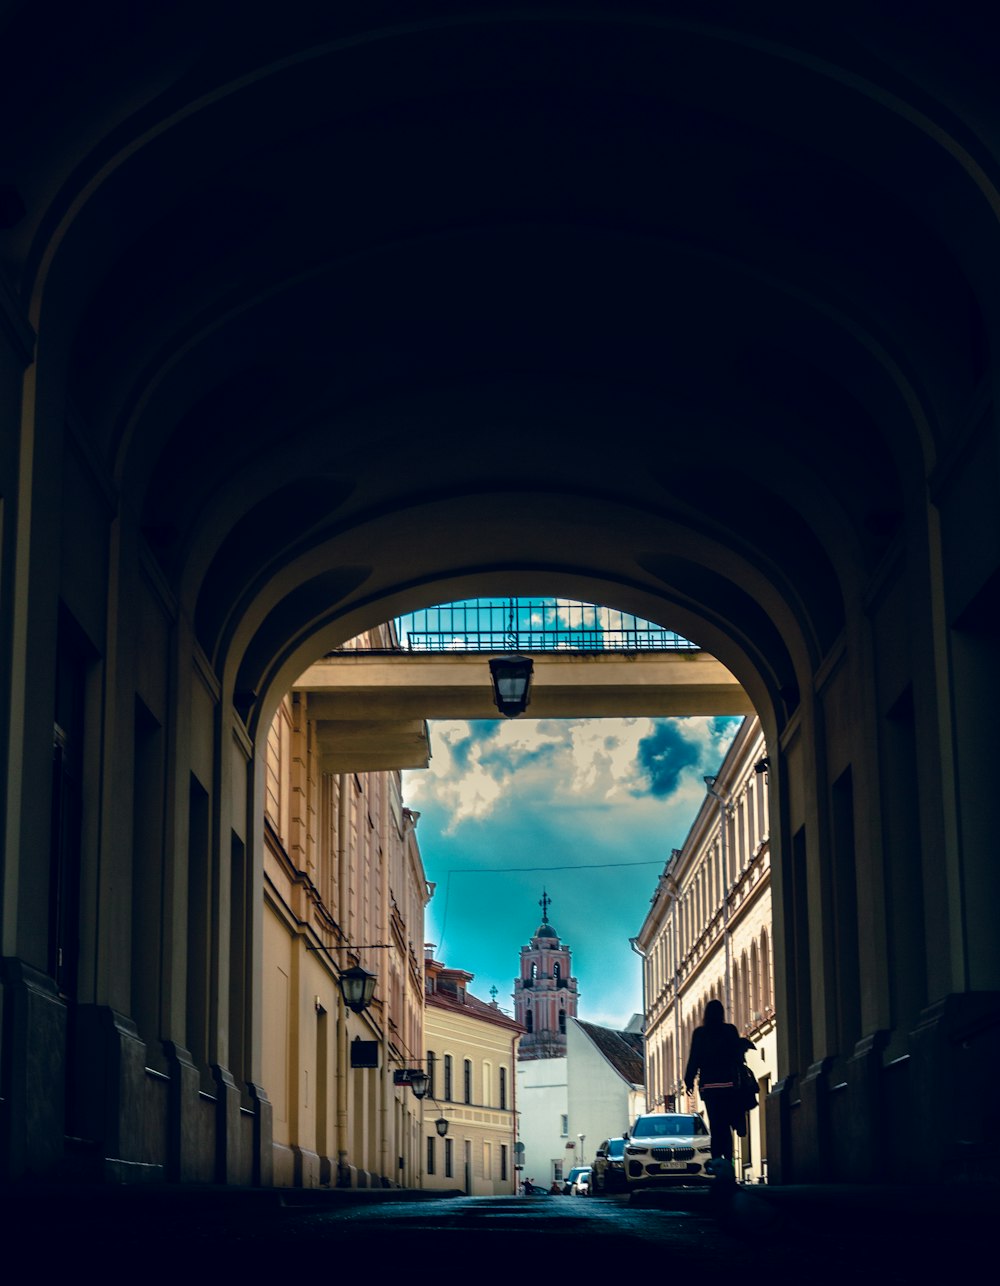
x=371 y=709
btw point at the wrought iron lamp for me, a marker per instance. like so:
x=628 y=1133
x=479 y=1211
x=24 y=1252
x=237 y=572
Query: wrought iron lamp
x=511 y=677
x=441 y=1125
x=357 y=986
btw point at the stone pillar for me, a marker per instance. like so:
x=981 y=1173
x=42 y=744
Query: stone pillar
x=858 y=1160
x=780 y=1155
x=955 y=1052
x=113 y=1106
x=32 y=1072
x=263 y=1138
x=228 y=1158
x=184 y=1163
x=812 y=1128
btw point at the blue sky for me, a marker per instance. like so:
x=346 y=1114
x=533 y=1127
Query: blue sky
x=589 y=809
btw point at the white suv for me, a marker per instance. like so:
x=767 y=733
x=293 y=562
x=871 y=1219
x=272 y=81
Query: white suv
x=667 y=1147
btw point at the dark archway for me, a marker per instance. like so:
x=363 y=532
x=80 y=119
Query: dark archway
x=307 y=323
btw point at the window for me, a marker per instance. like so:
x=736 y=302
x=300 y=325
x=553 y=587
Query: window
x=447 y=1077
x=467 y=1080
x=503 y=1090
x=430 y=1154
x=503 y=1160
x=487 y=1160
x=449 y=1159
x=564 y=1128
x=555 y=971
x=534 y=972
x=529 y=1021
x=487 y=1098
x=562 y=1022
x=431 y=1061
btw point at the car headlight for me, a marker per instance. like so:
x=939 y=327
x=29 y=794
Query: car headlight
x=637 y=1152
x=704 y=1147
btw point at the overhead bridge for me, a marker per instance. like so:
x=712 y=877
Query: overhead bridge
x=372 y=708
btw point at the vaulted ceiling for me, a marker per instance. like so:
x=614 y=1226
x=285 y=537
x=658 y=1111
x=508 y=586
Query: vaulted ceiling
x=363 y=306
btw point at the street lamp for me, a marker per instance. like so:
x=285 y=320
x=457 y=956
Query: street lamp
x=441 y=1125
x=357 y=986
x=511 y=676
x=419 y=1081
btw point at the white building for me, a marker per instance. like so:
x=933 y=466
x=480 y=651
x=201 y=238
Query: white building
x=605 y=1084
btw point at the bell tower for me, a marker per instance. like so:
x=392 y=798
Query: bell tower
x=545 y=993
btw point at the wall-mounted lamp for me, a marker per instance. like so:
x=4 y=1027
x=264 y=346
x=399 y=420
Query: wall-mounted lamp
x=511 y=677
x=441 y=1125
x=415 y=1077
x=357 y=986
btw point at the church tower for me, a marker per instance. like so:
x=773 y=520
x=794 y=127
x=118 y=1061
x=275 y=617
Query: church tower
x=545 y=995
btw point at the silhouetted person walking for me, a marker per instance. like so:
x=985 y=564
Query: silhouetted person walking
x=717 y=1051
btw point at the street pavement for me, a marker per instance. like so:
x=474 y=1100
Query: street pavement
x=812 y=1235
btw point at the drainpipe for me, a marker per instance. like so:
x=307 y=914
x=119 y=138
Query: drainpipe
x=723 y=841
x=340 y=1076
x=672 y=891
x=513 y=1113
x=634 y=944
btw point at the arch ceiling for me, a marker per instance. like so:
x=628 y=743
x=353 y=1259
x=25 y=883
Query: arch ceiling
x=371 y=305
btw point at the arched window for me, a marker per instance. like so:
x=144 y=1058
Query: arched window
x=534 y=971
x=503 y=1088
x=765 y=972
x=467 y=1080
x=447 y=1077
x=529 y=1020
x=555 y=971
x=431 y=1061
x=562 y=1022
x=754 y=983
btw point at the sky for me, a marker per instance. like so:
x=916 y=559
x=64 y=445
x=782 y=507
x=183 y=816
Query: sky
x=588 y=809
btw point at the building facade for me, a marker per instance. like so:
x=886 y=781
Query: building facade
x=471 y=1059
x=708 y=935
x=344 y=885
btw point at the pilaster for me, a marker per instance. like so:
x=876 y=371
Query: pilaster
x=32 y=1072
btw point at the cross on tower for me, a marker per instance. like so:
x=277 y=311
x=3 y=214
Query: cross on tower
x=545 y=902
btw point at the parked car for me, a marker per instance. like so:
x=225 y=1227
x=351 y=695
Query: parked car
x=667 y=1147
x=607 y=1173
x=578 y=1182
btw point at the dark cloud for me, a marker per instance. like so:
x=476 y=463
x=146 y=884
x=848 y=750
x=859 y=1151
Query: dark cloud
x=503 y=760
x=479 y=731
x=662 y=757
x=725 y=725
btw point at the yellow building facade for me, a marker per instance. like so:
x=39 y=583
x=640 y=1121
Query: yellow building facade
x=708 y=936
x=344 y=885
x=471 y=1062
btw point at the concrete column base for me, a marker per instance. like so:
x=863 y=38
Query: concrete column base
x=812 y=1127
x=233 y=1143
x=857 y=1161
x=33 y=1027
x=115 y=1104
x=262 y=1170
x=954 y=1054
x=778 y=1121
x=306 y=1173
x=186 y=1162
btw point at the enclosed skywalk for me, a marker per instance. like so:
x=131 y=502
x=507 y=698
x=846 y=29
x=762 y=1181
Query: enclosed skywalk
x=372 y=708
